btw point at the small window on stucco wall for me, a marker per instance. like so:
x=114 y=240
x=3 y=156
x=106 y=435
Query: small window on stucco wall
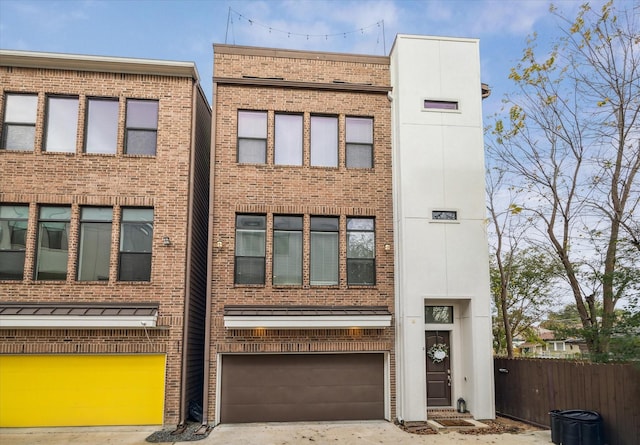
x=440 y=105
x=438 y=314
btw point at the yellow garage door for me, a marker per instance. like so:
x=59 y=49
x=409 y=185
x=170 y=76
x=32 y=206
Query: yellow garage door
x=81 y=390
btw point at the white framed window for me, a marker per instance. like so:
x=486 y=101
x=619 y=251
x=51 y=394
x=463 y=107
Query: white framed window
x=136 y=242
x=13 y=240
x=361 y=251
x=95 y=243
x=250 y=249
x=53 y=243
x=442 y=105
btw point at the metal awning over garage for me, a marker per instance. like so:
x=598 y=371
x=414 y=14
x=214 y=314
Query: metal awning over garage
x=78 y=315
x=306 y=317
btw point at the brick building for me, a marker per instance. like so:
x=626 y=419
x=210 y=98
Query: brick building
x=302 y=255
x=104 y=185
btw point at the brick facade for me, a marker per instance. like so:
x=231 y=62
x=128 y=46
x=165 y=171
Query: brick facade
x=77 y=179
x=307 y=84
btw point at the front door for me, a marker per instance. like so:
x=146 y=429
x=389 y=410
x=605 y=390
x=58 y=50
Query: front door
x=438 y=353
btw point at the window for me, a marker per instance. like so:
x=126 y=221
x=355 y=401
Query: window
x=250 y=249
x=136 y=240
x=361 y=251
x=438 y=314
x=62 y=124
x=13 y=236
x=102 y=126
x=288 y=139
x=19 y=130
x=324 y=250
x=95 y=243
x=324 y=141
x=252 y=137
x=53 y=243
x=142 y=127
x=440 y=105
x=444 y=215
x=359 y=138
x=287 y=250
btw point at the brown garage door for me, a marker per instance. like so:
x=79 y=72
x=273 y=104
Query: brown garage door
x=289 y=388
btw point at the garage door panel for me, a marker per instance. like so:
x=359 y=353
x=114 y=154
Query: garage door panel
x=81 y=390
x=266 y=388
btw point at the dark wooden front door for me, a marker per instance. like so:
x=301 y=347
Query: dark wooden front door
x=438 y=370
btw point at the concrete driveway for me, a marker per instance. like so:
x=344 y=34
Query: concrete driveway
x=334 y=433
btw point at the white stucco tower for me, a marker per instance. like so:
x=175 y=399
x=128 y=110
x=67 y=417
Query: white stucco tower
x=442 y=268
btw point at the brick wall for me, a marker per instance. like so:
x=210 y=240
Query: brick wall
x=299 y=190
x=77 y=179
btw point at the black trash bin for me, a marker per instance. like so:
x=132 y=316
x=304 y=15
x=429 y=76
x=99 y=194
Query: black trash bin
x=576 y=427
x=556 y=426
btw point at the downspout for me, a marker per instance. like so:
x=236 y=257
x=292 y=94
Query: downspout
x=188 y=253
x=207 y=325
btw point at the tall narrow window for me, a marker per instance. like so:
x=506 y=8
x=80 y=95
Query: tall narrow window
x=324 y=250
x=288 y=139
x=19 y=130
x=250 y=249
x=142 y=127
x=53 y=243
x=361 y=251
x=324 y=141
x=136 y=241
x=287 y=250
x=13 y=236
x=359 y=137
x=62 y=124
x=102 y=126
x=95 y=243
x=252 y=137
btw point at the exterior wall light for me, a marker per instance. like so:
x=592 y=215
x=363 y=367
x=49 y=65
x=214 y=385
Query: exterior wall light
x=166 y=241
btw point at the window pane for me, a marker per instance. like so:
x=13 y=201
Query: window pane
x=438 y=314
x=142 y=126
x=288 y=139
x=325 y=223
x=136 y=243
x=20 y=122
x=324 y=258
x=250 y=242
x=102 y=126
x=251 y=222
x=19 y=137
x=360 y=245
x=249 y=270
x=142 y=114
x=53 y=243
x=141 y=142
x=62 y=124
x=252 y=124
x=361 y=272
x=134 y=267
x=252 y=151
x=13 y=235
x=287 y=250
x=95 y=243
x=359 y=130
x=21 y=108
x=359 y=156
x=360 y=224
x=324 y=141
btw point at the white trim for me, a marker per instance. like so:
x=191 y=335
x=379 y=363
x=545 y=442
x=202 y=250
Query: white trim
x=78 y=321
x=307 y=322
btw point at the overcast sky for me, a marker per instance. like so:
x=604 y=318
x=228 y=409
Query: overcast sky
x=185 y=30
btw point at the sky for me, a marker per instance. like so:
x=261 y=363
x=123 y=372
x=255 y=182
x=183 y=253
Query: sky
x=185 y=30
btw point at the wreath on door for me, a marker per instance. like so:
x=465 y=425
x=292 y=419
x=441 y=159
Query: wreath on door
x=438 y=352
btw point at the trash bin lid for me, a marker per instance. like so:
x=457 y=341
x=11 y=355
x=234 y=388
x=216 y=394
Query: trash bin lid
x=577 y=414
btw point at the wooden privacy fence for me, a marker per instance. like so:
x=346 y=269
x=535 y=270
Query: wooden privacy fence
x=527 y=389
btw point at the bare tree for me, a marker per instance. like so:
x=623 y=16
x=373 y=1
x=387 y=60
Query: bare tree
x=572 y=137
